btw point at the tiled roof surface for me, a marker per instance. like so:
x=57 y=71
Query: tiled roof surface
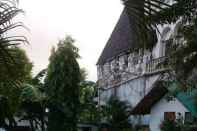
x=122 y=39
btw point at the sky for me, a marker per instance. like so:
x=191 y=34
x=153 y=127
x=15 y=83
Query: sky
x=89 y=22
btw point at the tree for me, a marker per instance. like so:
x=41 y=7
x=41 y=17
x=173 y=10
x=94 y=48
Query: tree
x=8 y=10
x=22 y=66
x=9 y=92
x=34 y=103
x=116 y=113
x=62 y=86
x=183 y=52
x=88 y=107
x=14 y=64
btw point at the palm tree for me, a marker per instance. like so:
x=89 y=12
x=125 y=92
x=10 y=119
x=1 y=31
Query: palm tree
x=11 y=58
x=8 y=10
x=117 y=114
x=10 y=90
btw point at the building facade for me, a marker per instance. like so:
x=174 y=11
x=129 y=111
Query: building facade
x=131 y=74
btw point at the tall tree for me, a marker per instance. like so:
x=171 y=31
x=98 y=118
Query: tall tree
x=33 y=103
x=62 y=86
x=14 y=64
x=88 y=107
x=21 y=67
x=9 y=92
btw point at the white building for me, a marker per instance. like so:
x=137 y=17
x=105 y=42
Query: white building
x=132 y=75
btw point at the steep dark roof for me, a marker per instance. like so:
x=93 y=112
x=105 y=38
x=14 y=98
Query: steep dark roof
x=154 y=95
x=122 y=39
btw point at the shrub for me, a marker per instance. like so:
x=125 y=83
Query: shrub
x=169 y=125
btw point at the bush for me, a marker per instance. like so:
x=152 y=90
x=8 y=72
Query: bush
x=190 y=128
x=169 y=125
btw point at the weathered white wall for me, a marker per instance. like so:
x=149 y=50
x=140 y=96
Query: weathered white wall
x=22 y=123
x=150 y=81
x=157 y=112
x=105 y=95
x=132 y=91
x=140 y=119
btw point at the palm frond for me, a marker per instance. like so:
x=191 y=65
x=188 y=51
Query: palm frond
x=37 y=80
x=8 y=10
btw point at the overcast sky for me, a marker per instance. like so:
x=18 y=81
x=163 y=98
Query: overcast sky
x=89 y=22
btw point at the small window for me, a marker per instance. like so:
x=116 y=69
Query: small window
x=188 y=118
x=135 y=60
x=86 y=129
x=96 y=93
x=169 y=116
x=126 y=62
x=2 y=129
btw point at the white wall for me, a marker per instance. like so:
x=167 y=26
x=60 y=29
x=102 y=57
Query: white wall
x=132 y=91
x=157 y=112
x=140 y=119
x=22 y=123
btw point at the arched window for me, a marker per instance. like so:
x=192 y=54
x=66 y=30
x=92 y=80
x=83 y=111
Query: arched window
x=177 y=35
x=176 y=29
x=165 y=36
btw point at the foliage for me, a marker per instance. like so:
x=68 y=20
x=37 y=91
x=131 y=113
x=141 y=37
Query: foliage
x=189 y=128
x=88 y=108
x=9 y=92
x=33 y=103
x=8 y=10
x=116 y=113
x=14 y=64
x=169 y=125
x=62 y=86
x=183 y=51
x=22 y=66
x=38 y=80
x=84 y=74
x=148 y=14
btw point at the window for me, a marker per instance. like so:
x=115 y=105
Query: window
x=165 y=36
x=86 y=129
x=2 y=129
x=189 y=119
x=135 y=60
x=126 y=62
x=169 y=116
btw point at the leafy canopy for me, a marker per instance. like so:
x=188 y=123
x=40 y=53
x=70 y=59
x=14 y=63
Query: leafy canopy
x=117 y=113
x=8 y=10
x=9 y=92
x=62 y=86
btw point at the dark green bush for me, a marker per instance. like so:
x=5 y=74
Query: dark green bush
x=190 y=128
x=169 y=125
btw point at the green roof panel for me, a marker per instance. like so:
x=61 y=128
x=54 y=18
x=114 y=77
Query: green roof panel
x=187 y=98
